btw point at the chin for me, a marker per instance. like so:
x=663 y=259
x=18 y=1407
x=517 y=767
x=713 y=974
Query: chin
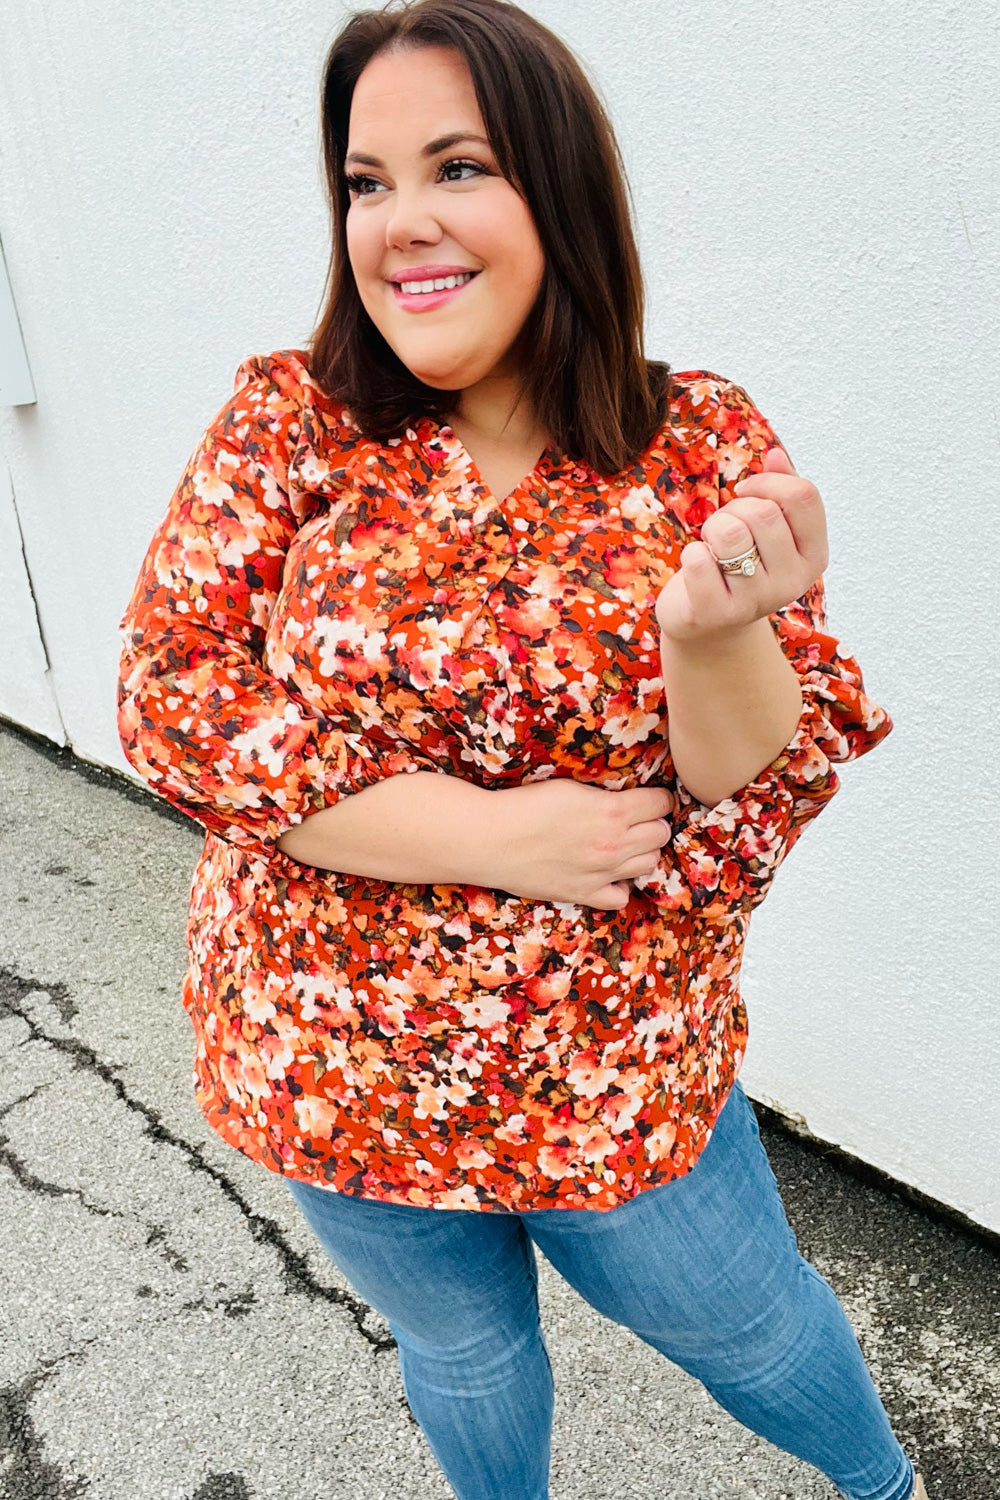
x=441 y=380
x=449 y=371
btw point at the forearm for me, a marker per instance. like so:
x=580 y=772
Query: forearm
x=416 y=828
x=731 y=708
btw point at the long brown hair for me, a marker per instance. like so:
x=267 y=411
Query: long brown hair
x=586 y=376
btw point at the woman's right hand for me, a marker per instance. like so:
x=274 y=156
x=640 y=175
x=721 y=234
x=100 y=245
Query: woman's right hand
x=569 y=841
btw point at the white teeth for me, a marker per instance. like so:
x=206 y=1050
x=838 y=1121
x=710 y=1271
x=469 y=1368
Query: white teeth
x=438 y=285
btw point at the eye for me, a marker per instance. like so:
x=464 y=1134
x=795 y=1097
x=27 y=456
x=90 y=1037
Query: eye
x=357 y=183
x=456 y=161
x=365 y=186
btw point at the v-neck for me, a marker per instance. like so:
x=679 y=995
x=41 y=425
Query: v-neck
x=549 y=460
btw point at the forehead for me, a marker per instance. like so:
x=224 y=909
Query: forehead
x=402 y=96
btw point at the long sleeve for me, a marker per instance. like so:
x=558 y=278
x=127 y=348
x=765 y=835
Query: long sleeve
x=724 y=858
x=199 y=716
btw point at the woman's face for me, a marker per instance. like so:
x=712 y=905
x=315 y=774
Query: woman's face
x=432 y=214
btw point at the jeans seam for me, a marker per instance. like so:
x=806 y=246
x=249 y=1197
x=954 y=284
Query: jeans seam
x=890 y=1495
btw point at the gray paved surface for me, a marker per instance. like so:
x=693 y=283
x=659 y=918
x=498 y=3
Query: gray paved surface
x=169 y=1330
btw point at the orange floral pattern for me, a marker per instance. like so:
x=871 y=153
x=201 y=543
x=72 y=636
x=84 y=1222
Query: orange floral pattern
x=317 y=611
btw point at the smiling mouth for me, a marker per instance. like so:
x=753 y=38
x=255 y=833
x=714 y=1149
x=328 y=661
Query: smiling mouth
x=433 y=286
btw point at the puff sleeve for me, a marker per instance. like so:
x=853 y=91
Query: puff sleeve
x=199 y=716
x=724 y=858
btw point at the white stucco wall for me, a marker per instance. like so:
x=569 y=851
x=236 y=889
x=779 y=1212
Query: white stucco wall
x=817 y=199
x=25 y=680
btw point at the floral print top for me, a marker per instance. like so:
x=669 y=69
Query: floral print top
x=318 y=610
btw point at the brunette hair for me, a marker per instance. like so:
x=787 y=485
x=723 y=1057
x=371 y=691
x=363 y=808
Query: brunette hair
x=581 y=347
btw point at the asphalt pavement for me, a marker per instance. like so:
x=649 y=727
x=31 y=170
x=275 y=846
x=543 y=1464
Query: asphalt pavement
x=170 y=1329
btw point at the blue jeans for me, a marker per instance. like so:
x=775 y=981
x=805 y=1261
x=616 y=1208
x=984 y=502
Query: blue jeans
x=706 y=1269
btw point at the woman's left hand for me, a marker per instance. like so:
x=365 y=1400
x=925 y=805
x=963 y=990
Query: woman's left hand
x=780 y=512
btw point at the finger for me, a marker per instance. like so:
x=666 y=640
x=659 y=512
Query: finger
x=727 y=532
x=645 y=837
x=712 y=600
x=764 y=526
x=770 y=485
x=641 y=864
x=781 y=566
x=801 y=505
x=777 y=461
x=648 y=805
x=609 y=898
x=772 y=536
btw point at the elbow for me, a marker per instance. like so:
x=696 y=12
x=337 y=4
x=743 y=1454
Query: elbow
x=712 y=793
x=711 y=796
x=134 y=739
x=142 y=740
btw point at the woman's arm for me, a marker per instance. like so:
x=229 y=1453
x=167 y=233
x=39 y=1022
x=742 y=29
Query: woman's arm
x=419 y=828
x=557 y=840
x=732 y=709
x=729 y=837
x=200 y=717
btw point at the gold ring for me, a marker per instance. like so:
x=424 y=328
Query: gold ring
x=745 y=563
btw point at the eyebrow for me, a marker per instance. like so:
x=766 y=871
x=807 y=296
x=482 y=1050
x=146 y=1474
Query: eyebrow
x=442 y=143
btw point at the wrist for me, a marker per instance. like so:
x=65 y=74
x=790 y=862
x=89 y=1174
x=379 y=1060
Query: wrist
x=718 y=645
x=731 y=706
x=493 y=859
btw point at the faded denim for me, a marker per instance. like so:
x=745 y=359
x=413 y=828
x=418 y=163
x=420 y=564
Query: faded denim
x=705 y=1269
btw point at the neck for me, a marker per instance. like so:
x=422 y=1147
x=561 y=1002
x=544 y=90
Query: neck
x=494 y=412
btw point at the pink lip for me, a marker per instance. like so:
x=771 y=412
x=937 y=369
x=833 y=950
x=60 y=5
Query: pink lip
x=425 y=301
x=428 y=273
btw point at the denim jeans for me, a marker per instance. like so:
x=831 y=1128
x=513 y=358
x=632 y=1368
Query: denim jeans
x=705 y=1269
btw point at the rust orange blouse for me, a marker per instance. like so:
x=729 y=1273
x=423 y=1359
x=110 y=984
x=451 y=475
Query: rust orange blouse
x=317 y=611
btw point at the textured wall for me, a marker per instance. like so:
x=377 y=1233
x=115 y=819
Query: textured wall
x=817 y=201
x=25 y=681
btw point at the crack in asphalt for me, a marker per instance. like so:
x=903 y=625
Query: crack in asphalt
x=26 y=1178
x=14 y=991
x=27 y=1473
x=223 y=1487
x=24 y=1098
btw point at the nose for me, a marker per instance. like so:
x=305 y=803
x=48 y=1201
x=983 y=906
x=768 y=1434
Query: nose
x=410 y=221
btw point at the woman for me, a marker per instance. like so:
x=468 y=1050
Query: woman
x=466 y=932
